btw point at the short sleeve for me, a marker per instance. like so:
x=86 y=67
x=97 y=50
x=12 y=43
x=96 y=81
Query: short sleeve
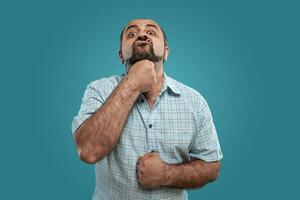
x=91 y=101
x=206 y=144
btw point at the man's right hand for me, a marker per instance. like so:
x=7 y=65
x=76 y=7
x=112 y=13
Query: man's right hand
x=143 y=76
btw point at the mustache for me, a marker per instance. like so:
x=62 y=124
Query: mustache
x=139 y=54
x=142 y=55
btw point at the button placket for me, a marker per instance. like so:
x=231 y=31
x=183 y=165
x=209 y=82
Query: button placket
x=146 y=113
x=151 y=131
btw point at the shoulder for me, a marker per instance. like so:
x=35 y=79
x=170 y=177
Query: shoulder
x=105 y=82
x=193 y=100
x=104 y=86
x=188 y=94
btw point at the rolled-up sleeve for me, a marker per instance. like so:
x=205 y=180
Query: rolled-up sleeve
x=206 y=144
x=91 y=101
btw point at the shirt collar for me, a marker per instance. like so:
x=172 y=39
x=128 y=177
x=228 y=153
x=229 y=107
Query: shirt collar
x=169 y=83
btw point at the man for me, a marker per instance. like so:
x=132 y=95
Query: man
x=150 y=136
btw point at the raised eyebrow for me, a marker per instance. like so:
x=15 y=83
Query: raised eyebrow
x=136 y=26
x=132 y=26
x=152 y=25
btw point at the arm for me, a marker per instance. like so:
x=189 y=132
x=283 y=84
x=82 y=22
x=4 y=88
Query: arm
x=153 y=172
x=97 y=136
x=193 y=174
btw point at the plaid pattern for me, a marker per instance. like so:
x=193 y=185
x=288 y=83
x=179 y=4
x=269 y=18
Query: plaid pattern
x=179 y=126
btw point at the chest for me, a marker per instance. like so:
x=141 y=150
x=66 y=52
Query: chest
x=168 y=129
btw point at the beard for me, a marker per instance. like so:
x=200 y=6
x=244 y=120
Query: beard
x=142 y=52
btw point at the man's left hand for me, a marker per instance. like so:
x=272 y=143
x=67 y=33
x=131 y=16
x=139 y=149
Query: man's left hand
x=152 y=171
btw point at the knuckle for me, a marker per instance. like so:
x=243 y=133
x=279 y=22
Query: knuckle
x=140 y=159
x=141 y=179
x=141 y=168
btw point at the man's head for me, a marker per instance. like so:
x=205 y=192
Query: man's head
x=143 y=39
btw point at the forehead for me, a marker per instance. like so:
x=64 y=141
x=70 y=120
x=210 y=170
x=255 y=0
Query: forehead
x=142 y=23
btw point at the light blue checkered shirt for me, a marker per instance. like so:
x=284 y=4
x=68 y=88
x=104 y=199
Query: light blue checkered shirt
x=179 y=126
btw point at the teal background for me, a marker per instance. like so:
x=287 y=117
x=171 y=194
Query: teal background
x=243 y=56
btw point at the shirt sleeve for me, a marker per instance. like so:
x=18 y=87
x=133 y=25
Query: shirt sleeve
x=91 y=101
x=206 y=143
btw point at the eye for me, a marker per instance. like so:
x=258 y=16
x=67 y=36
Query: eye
x=132 y=34
x=151 y=33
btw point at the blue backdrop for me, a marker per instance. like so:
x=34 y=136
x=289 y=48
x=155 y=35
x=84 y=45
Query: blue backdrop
x=243 y=56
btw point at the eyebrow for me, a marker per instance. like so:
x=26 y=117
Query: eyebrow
x=136 y=26
x=152 y=25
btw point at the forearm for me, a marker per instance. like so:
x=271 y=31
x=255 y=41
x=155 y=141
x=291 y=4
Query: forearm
x=192 y=174
x=97 y=136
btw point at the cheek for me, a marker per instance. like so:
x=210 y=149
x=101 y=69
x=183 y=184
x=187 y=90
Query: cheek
x=126 y=51
x=159 y=49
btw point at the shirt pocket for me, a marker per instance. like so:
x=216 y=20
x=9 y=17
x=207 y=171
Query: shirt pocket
x=174 y=146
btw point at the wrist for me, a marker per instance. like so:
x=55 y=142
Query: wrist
x=131 y=84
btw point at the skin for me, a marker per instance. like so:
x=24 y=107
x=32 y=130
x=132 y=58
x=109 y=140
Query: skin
x=151 y=29
x=153 y=172
x=98 y=135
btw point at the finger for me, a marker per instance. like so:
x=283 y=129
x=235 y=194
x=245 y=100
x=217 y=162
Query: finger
x=147 y=154
x=139 y=160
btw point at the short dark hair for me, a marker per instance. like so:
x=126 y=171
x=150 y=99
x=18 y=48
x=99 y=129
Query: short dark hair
x=164 y=34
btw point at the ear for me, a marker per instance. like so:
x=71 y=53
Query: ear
x=121 y=56
x=166 y=53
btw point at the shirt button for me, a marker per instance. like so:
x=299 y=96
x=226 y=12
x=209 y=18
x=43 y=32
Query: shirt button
x=150 y=125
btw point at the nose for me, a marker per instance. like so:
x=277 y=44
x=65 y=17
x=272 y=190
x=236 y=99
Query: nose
x=143 y=37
